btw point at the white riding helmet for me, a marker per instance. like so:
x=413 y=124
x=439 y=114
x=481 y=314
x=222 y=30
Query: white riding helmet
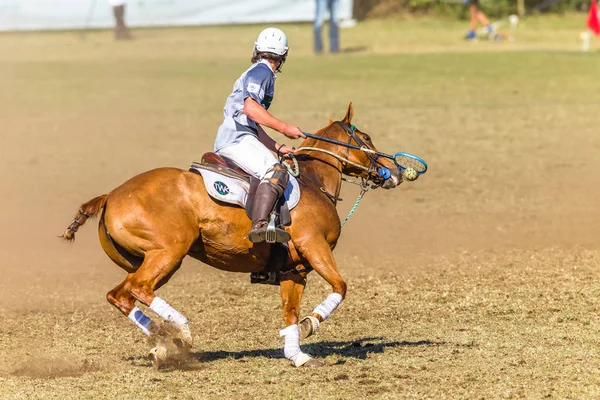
x=272 y=40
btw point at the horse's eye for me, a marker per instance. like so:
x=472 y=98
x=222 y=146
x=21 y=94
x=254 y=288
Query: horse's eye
x=367 y=138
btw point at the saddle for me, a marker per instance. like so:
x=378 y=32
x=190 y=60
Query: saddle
x=227 y=182
x=215 y=160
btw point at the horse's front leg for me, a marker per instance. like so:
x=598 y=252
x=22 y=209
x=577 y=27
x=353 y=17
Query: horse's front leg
x=321 y=260
x=292 y=286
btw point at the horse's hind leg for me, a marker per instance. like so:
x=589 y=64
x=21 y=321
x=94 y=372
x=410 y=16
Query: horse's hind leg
x=128 y=262
x=182 y=337
x=157 y=268
x=125 y=302
x=119 y=297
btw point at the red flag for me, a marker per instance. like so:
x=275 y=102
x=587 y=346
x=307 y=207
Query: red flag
x=592 y=21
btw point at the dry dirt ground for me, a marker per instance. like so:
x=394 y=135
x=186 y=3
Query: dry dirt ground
x=479 y=280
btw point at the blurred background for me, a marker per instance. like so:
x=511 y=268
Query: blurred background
x=76 y=14
x=478 y=280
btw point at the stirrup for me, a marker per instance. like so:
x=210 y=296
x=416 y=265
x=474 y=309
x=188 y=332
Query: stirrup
x=272 y=233
x=268 y=278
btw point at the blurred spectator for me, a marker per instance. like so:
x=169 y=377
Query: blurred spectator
x=334 y=31
x=121 y=30
x=476 y=16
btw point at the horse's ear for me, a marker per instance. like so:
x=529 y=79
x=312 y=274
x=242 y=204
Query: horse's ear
x=349 y=114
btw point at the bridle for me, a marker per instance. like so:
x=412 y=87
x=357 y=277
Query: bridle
x=376 y=172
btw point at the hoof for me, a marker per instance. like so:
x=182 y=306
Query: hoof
x=182 y=347
x=158 y=356
x=308 y=327
x=179 y=335
x=183 y=338
x=314 y=363
x=304 y=359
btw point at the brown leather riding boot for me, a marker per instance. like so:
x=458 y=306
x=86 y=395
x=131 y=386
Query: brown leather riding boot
x=264 y=202
x=121 y=30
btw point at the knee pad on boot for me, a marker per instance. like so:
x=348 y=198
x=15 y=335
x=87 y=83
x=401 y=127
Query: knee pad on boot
x=279 y=178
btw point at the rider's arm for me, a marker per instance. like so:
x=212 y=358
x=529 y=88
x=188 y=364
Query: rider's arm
x=256 y=85
x=267 y=140
x=258 y=114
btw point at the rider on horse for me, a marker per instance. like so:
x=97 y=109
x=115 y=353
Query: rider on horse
x=241 y=137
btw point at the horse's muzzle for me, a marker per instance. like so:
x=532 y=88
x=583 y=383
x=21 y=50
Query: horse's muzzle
x=394 y=180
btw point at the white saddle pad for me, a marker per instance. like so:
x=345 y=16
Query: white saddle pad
x=235 y=190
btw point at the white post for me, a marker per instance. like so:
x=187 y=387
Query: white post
x=514 y=21
x=585 y=38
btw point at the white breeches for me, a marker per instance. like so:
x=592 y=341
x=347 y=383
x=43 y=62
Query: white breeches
x=252 y=156
x=115 y=3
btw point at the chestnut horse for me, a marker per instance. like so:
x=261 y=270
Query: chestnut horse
x=152 y=221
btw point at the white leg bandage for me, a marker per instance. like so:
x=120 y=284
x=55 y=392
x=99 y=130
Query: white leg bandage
x=141 y=320
x=291 y=348
x=328 y=306
x=165 y=311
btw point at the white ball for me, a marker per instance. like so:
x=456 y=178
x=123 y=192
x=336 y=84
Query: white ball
x=410 y=174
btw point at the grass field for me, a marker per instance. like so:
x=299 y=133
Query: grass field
x=477 y=281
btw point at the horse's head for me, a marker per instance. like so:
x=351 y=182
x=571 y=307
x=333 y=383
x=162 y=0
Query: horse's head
x=359 y=163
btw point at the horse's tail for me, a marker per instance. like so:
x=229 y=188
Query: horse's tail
x=87 y=210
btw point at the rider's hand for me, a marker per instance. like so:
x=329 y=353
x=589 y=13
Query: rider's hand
x=293 y=132
x=285 y=150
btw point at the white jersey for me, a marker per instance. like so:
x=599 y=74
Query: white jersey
x=258 y=83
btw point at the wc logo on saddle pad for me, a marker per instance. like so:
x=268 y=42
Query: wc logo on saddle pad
x=221 y=188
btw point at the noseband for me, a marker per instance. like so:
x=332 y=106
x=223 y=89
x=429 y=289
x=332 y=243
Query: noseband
x=375 y=169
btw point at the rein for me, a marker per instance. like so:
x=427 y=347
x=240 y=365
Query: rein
x=350 y=132
x=371 y=154
x=364 y=185
x=331 y=153
x=334 y=199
